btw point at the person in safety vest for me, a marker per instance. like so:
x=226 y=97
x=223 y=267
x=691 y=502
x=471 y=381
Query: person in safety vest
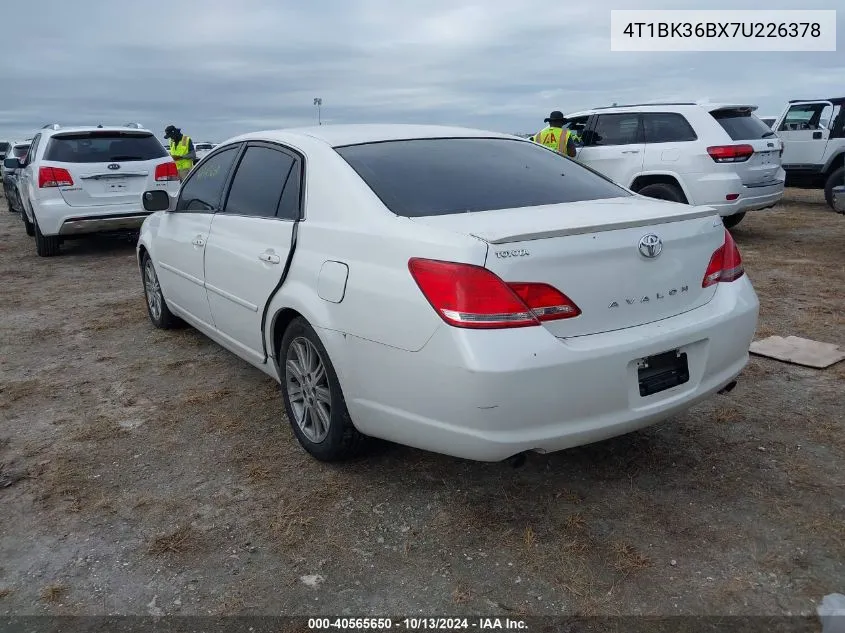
x=181 y=150
x=555 y=137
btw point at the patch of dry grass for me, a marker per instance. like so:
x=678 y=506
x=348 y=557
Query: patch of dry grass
x=180 y=541
x=723 y=414
x=97 y=429
x=627 y=559
x=5 y=592
x=53 y=593
x=12 y=391
x=461 y=594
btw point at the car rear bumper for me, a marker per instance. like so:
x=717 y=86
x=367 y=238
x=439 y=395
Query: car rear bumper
x=712 y=190
x=489 y=395
x=86 y=225
x=55 y=217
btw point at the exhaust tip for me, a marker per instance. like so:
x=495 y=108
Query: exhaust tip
x=728 y=387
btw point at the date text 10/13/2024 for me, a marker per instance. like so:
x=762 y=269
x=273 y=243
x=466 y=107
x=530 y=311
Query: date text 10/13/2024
x=417 y=624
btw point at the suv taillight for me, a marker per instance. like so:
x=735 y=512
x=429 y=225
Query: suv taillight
x=166 y=171
x=725 y=264
x=54 y=177
x=473 y=297
x=730 y=153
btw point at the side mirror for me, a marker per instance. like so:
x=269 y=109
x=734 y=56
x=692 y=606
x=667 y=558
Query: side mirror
x=156 y=200
x=839 y=199
x=12 y=163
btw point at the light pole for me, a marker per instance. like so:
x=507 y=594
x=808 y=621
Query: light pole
x=318 y=102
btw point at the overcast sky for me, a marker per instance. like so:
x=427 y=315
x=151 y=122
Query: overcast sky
x=217 y=68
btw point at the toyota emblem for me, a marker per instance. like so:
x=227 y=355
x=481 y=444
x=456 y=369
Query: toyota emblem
x=650 y=246
x=114 y=166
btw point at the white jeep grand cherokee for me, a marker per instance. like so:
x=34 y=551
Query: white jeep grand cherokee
x=719 y=155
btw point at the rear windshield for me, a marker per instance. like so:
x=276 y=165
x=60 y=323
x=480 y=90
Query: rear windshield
x=19 y=151
x=458 y=175
x=103 y=147
x=741 y=125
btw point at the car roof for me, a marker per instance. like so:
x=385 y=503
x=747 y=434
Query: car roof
x=355 y=134
x=49 y=131
x=834 y=100
x=663 y=107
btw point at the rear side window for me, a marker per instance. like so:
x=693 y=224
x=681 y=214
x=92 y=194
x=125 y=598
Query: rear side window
x=204 y=187
x=666 y=127
x=258 y=183
x=742 y=125
x=616 y=129
x=443 y=176
x=103 y=147
x=19 y=151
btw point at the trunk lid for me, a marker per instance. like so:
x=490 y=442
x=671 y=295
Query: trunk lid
x=590 y=251
x=743 y=127
x=98 y=184
x=108 y=167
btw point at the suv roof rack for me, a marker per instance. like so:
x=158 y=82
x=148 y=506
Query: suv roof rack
x=834 y=100
x=653 y=103
x=136 y=126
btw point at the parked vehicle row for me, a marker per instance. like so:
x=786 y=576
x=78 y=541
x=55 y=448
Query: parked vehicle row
x=719 y=155
x=10 y=175
x=454 y=290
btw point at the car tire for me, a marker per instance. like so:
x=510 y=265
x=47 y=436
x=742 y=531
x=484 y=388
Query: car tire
x=45 y=245
x=663 y=191
x=836 y=178
x=27 y=225
x=731 y=221
x=314 y=402
x=160 y=315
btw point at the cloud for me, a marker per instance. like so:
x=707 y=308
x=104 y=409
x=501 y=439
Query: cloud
x=219 y=68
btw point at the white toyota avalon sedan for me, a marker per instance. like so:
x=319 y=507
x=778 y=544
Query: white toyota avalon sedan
x=454 y=290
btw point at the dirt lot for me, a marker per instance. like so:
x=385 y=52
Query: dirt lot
x=150 y=472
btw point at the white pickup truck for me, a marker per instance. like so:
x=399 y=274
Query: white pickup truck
x=813 y=134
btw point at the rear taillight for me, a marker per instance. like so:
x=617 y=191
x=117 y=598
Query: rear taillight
x=473 y=297
x=725 y=265
x=166 y=171
x=54 y=177
x=730 y=153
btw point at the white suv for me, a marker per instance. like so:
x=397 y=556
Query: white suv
x=719 y=155
x=80 y=180
x=813 y=134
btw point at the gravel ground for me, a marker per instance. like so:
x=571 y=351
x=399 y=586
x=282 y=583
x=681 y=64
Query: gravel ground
x=150 y=472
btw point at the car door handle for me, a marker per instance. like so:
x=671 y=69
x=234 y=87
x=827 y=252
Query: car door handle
x=270 y=258
x=630 y=151
x=198 y=241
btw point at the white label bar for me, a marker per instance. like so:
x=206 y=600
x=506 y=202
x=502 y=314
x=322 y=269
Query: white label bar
x=763 y=30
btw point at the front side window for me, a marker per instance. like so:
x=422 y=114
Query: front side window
x=616 y=129
x=204 y=187
x=258 y=183
x=803 y=117
x=19 y=151
x=103 y=147
x=443 y=176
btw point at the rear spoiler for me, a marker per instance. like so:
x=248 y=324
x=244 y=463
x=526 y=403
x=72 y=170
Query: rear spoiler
x=716 y=107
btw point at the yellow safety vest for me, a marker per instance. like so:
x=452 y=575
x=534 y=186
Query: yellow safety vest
x=181 y=149
x=554 y=138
